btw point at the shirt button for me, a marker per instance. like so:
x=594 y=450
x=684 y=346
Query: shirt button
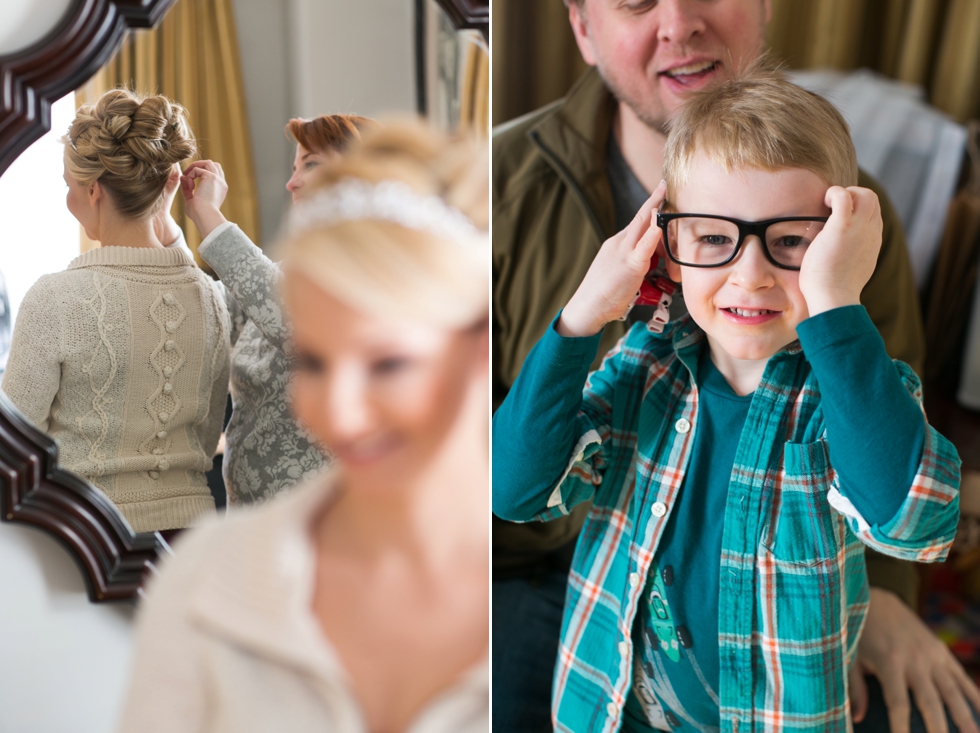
x=682 y=426
x=634 y=579
x=624 y=648
x=612 y=709
x=659 y=509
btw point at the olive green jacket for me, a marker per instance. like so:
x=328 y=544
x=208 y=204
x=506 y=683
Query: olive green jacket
x=552 y=210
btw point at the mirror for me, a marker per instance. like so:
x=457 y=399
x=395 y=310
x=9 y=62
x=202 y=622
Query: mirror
x=76 y=39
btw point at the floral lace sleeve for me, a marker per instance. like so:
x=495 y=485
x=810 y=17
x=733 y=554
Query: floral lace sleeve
x=252 y=278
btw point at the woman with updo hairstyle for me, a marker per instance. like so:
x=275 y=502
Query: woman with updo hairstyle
x=358 y=601
x=123 y=357
x=266 y=452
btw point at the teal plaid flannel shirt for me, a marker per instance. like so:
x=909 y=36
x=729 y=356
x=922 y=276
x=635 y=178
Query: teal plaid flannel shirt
x=793 y=584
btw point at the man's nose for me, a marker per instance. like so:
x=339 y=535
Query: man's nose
x=679 y=20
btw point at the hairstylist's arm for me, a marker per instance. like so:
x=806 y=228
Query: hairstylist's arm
x=905 y=655
x=204 y=188
x=243 y=268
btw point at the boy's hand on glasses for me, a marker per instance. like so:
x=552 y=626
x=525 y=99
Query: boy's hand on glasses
x=842 y=257
x=616 y=273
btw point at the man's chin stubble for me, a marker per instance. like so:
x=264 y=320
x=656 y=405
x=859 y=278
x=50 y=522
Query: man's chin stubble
x=654 y=122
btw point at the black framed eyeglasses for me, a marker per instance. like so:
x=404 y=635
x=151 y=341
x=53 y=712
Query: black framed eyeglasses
x=705 y=240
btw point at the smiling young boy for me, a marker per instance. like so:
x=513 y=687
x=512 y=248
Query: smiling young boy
x=736 y=462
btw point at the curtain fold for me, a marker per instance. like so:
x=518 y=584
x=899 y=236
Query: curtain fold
x=933 y=43
x=192 y=57
x=474 y=108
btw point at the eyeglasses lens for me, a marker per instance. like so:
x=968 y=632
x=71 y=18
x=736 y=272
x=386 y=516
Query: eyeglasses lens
x=705 y=241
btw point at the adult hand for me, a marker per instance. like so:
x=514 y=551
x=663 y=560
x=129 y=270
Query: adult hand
x=204 y=188
x=842 y=257
x=905 y=655
x=615 y=275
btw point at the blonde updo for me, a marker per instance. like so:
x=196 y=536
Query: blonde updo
x=382 y=267
x=129 y=144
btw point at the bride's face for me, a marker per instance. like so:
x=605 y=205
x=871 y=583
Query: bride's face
x=381 y=393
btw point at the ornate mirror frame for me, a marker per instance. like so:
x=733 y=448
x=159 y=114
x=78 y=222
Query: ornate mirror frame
x=33 y=490
x=469 y=15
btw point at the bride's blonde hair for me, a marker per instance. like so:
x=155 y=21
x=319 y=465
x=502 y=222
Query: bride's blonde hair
x=380 y=266
x=129 y=143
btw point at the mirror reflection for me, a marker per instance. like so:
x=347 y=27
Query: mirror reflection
x=146 y=314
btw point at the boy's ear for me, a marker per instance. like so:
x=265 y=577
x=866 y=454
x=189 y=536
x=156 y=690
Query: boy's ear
x=672 y=268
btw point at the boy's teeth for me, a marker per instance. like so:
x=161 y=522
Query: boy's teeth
x=747 y=313
x=691 y=68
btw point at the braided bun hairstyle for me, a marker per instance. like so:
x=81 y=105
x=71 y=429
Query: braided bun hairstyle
x=128 y=143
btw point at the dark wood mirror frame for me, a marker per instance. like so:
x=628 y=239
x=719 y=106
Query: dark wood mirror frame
x=33 y=490
x=469 y=14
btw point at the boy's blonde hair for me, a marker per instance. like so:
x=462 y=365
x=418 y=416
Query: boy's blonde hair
x=760 y=119
x=383 y=267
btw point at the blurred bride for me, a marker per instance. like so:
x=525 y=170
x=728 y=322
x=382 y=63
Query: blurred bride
x=358 y=602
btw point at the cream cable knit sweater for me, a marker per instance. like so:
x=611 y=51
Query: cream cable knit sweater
x=123 y=360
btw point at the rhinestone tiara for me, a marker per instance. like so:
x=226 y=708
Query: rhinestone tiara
x=353 y=199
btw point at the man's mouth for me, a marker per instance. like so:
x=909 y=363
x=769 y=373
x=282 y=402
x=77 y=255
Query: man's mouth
x=690 y=73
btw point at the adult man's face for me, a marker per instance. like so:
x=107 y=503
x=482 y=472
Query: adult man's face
x=652 y=53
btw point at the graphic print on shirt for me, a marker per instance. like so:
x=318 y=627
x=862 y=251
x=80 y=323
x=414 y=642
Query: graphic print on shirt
x=656 y=695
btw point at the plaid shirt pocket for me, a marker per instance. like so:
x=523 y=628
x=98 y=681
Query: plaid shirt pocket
x=802 y=528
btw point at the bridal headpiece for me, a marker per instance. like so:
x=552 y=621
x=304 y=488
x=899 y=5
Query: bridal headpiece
x=353 y=199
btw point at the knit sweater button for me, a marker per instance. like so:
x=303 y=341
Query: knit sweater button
x=168 y=388
x=163 y=465
x=154 y=475
x=168 y=371
x=169 y=346
x=162 y=434
x=168 y=299
x=158 y=451
x=171 y=326
x=163 y=417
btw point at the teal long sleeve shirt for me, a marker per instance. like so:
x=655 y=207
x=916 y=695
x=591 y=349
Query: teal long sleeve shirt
x=792 y=569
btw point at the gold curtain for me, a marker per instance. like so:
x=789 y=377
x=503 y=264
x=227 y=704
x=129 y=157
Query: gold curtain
x=933 y=43
x=192 y=57
x=535 y=59
x=474 y=107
